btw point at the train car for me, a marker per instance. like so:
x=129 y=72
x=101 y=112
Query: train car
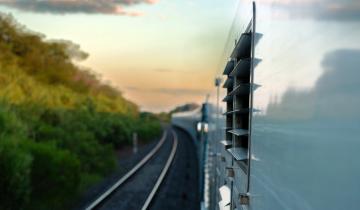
x=202 y=124
x=188 y=121
x=292 y=98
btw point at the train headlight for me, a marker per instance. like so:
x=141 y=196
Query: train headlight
x=205 y=127
x=202 y=127
x=198 y=127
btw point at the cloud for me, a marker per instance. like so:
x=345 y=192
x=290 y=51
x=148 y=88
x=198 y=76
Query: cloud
x=343 y=10
x=152 y=1
x=171 y=91
x=77 y=6
x=334 y=96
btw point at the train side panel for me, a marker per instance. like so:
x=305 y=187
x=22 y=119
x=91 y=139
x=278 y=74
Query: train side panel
x=305 y=139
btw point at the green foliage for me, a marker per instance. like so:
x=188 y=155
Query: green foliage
x=47 y=156
x=9 y=123
x=164 y=116
x=148 y=126
x=33 y=69
x=59 y=124
x=55 y=176
x=15 y=164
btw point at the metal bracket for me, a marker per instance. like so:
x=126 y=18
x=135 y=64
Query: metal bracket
x=244 y=198
x=230 y=172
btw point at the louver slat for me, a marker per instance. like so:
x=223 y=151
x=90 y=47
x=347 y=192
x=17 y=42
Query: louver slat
x=257 y=38
x=239 y=132
x=228 y=83
x=243 y=47
x=227 y=144
x=242 y=68
x=238 y=111
x=229 y=67
x=243 y=89
x=228 y=98
x=239 y=153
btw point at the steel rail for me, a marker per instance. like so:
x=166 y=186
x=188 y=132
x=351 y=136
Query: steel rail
x=163 y=173
x=123 y=179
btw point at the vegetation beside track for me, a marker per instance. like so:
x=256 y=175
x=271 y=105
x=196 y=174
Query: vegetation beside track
x=59 y=123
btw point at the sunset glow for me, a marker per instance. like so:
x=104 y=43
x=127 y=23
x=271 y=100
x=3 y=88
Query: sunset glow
x=158 y=53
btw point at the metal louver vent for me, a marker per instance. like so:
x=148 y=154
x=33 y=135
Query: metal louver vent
x=235 y=160
x=240 y=88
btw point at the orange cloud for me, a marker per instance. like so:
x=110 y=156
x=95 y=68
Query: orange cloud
x=152 y=1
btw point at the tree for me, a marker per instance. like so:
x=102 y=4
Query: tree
x=15 y=164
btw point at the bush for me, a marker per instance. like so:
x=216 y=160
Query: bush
x=9 y=122
x=149 y=127
x=55 y=176
x=15 y=164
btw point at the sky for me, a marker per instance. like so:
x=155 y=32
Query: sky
x=159 y=53
x=164 y=53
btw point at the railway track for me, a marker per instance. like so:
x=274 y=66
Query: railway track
x=152 y=164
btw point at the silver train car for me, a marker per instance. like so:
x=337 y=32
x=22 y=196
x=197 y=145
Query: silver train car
x=290 y=136
x=188 y=121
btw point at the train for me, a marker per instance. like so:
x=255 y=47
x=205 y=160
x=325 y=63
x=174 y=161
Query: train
x=288 y=138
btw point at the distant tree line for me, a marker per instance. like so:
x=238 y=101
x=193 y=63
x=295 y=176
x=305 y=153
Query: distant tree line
x=185 y=108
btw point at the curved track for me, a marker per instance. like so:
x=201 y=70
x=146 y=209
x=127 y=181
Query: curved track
x=180 y=188
x=163 y=173
x=141 y=183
